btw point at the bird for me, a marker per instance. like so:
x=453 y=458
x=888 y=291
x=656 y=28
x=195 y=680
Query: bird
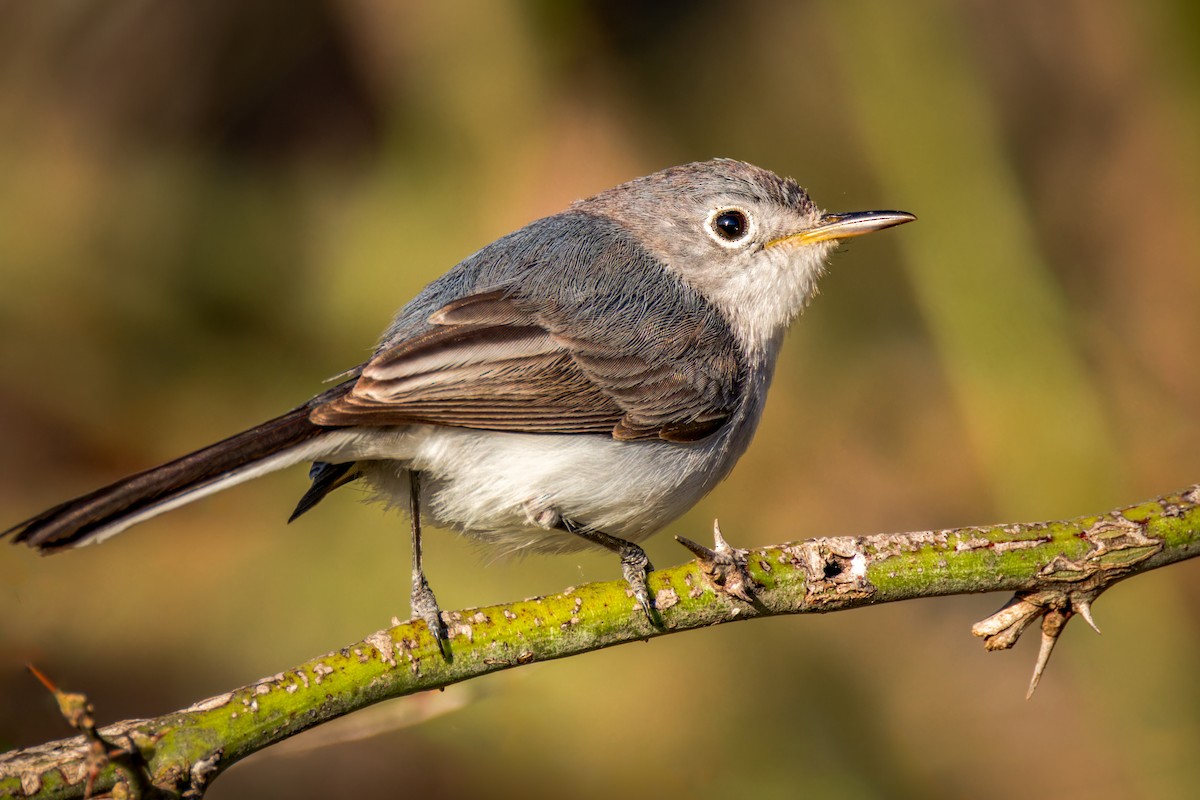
x=585 y=379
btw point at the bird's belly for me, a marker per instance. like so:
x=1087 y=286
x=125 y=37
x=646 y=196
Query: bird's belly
x=507 y=489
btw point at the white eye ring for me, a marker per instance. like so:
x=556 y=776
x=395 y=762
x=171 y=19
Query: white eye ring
x=730 y=226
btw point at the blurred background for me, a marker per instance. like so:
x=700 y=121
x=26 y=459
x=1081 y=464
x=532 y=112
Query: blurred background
x=208 y=208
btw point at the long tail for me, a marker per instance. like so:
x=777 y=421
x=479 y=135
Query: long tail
x=105 y=512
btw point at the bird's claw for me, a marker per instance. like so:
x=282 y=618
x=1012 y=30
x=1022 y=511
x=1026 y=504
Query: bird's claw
x=635 y=566
x=425 y=606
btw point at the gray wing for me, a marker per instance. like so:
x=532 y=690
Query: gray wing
x=586 y=334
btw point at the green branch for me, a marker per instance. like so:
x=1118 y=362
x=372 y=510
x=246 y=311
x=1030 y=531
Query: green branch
x=1056 y=569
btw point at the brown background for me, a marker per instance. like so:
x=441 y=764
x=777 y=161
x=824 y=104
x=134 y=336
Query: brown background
x=207 y=208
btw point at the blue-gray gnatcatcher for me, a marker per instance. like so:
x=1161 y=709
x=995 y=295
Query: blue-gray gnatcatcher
x=587 y=378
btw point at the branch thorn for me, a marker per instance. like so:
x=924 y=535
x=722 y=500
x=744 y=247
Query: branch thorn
x=723 y=565
x=1053 y=624
x=1084 y=607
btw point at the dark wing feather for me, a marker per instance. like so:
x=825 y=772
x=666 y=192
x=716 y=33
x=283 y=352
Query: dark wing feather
x=494 y=377
x=609 y=343
x=678 y=400
x=486 y=367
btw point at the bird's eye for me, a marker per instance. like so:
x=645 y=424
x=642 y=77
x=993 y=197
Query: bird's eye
x=730 y=225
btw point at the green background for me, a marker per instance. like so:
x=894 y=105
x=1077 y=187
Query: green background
x=208 y=208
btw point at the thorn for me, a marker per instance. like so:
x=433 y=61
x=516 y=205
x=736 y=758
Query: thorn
x=724 y=566
x=1053 y=625
x=1001 y=630
x=41 y=676
x=1055 y=606
x=718 y=539
x=721 y=547
x=698 y=550
x=74 y=707
x=1084 y=607
x=133 y=776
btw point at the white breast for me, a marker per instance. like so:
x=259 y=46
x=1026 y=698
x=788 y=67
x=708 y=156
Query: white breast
x=504 y=488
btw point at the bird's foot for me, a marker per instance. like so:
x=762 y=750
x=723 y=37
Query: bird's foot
x=425 y=606
x=635 y=566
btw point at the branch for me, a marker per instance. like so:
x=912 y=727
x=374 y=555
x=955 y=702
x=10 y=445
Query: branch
x=1056 y=570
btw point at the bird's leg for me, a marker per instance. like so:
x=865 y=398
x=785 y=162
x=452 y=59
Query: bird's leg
x=634 y=563
x=424 y=604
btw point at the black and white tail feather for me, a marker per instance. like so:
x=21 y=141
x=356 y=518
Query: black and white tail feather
x=278 y=443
